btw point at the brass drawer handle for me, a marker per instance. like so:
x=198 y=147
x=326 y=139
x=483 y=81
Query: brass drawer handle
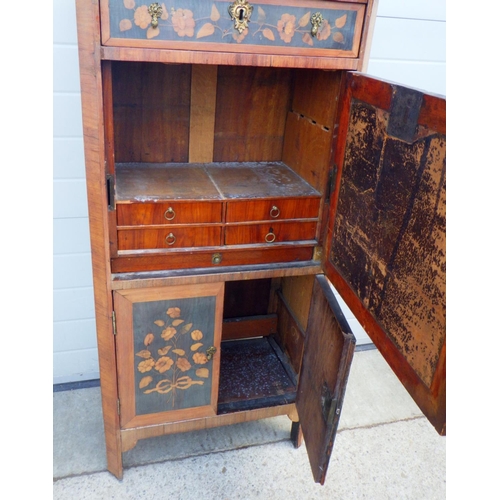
x=155 y=11
x=169 y=214
x=270 y=236
x=316 y=20
x=274 y=212
x=216 y=258
x=240 y=12
x=210 y=352
x=170 y=239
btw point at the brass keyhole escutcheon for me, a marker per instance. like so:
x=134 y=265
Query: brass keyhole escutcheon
x=316 y=20
x=240 y=12
x=210 y=352
x=216 y=258
x=155 y=11
x=169 y=214
x=170 y=239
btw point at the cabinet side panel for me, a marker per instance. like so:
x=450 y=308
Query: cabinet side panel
x=93 y=131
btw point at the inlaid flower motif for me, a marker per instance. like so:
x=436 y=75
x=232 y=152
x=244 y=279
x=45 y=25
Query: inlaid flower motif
x=173 y=312
x=164 y=364
x=196 y=335
x=146 y=365
x=168 y=333
x=129 y=4
x=324 y=30
x=183 y=364
x=183 y=22
x=199 y=358
x=142 y=17
x=286 y=27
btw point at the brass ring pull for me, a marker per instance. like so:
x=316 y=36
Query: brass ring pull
x=274 y=212
x=169 y=214
x=210 y=352
x=316 y=20
x=240 y=12
x=170 y=239
x=270 y=237
x=155 y=11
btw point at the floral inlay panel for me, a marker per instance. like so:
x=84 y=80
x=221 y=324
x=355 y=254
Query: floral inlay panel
x=209 y=22
x=171 y=338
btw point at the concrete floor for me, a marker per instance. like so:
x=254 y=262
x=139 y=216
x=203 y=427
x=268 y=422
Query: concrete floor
x=385 y=449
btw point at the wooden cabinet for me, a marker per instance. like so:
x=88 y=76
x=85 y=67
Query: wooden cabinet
x=233 y=176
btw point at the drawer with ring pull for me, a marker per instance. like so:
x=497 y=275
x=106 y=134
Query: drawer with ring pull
x=245 y=234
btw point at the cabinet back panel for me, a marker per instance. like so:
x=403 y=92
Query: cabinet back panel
x=151 y=112
x=251 y=109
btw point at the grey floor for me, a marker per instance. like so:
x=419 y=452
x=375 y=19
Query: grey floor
x=385 y=449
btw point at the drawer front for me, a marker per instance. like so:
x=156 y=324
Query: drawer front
x=277 y=209
x=171 y=237
x=135 y=214
x=273 y=27
x=270 y=233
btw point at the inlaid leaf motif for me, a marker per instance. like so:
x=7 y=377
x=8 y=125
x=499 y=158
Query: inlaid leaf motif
x=180 y=352
x=148 y=339
x=195 y=347
x=129 y=4
x=202 y=372
x=261 y=17
x=186 y=327
x=196 y=335
x=144 y=354
x=304 y=20
x=267 y=33
x=340 y=22
x=125 y=24
x=145 y=381
x=214 y=16
x=206 y=30
x=177 y=322
x=164 y=14
x=159 y=322
x=307 y=38
x=164 y=350
x=338 y=37
x=152 y=32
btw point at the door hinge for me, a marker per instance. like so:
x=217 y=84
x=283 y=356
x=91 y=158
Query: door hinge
x=118 y=406
x=332 y=179
x=110 y=191
x=113 y=318
x=328 y=405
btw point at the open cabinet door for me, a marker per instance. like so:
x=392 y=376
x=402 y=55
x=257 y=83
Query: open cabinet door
x=385 y=248
x=328 y=352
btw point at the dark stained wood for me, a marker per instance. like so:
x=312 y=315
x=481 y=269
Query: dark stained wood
x=94 y=144
x=186 y=259
x=296 y=435
x=169 y=237
x=386 y=249
x=274 y=209
x=172 y=213
x=270 y=232
x=246 y=297
x=328 y=352
x=151 y=112
x=242 y=131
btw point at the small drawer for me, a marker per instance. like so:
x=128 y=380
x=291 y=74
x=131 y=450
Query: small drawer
x=270 y=233
x=300 y=28
x=275 y=209
x=171 y=237
x=138 y=214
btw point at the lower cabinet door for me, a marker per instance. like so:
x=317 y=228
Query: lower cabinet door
x=168 y=352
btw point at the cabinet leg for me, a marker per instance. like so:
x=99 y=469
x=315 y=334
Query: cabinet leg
x=296 y=434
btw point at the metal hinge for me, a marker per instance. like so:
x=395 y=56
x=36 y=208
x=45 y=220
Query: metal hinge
x=113 y=318
x=118 y=406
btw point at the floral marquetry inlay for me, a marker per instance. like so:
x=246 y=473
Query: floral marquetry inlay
x=211 y=22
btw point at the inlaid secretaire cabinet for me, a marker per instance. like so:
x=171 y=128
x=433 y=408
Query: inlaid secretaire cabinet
x=238 y=165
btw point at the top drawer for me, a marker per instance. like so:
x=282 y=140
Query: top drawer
x=274 y=26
